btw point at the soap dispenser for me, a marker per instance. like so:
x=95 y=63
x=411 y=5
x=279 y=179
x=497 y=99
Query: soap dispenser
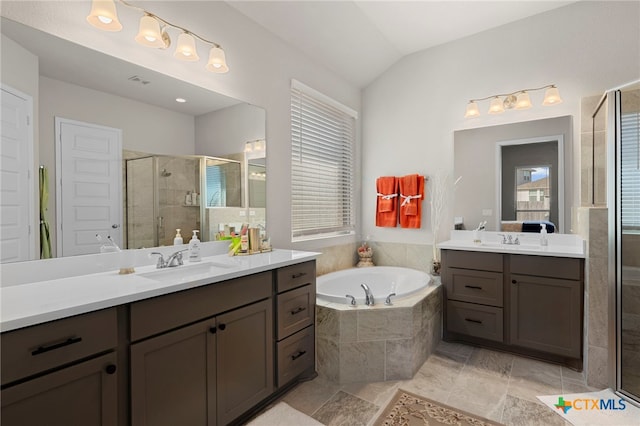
x=543 y=235
x=177 y=241
x=194 y=247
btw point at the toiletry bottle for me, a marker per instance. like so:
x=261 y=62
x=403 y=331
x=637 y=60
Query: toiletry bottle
x=543 y=235
x=244 y=240
x=187 y=199
x=194 y=247
x=178 y=239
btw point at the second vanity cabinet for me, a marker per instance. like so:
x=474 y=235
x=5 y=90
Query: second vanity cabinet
x=527 y=304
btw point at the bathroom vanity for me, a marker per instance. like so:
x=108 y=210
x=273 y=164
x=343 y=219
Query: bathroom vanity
x=524 y=298
x=215 y=343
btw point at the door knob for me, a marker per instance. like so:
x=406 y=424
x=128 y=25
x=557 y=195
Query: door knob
x=115 y=226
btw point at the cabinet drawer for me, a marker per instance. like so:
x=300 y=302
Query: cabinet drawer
x=160 y=314
x=474 y=286
x=295 y=310
x=42 y=347
x=544 y=266
x=475 y=320
x=472 y=260
x=298 y=275
x=295 y=355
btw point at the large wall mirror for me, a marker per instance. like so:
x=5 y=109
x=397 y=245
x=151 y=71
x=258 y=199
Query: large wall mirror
x=514 y=173
x=186 y=149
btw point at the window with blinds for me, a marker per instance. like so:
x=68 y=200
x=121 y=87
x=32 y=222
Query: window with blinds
x=322 y=165
x=630 y=171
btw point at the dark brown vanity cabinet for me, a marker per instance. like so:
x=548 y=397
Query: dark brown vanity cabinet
x=208 y=372
x=295 y=337
x=63 y=372
x=527 y=304
x=546 y=304
x=209 y=355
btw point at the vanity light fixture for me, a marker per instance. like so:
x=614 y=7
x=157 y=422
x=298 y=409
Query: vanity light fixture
x=515 y=100
x=152 y=32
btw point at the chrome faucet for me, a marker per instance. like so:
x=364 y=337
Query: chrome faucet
x=175 y=259
x=508 y=239
x=368 y=295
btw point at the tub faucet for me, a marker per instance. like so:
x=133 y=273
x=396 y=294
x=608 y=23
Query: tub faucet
x=368 y=295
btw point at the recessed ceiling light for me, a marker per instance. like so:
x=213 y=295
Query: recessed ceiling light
x=181 y=100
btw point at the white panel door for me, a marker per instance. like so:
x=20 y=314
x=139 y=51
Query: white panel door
x=89 y=161
x=16 y=174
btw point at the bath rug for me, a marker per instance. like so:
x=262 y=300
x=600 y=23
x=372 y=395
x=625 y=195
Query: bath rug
x=408 y=409
x=283 y=414
x=601 y=408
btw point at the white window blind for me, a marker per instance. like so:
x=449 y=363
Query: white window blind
x=322 y=165
x=630 y=171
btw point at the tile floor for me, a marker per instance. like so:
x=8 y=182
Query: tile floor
x=496 y=385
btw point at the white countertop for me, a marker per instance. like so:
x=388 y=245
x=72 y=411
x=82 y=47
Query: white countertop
x=559 y=245
x=37 y=302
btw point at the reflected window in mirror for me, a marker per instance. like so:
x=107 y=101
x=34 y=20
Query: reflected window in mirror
x=533 y=193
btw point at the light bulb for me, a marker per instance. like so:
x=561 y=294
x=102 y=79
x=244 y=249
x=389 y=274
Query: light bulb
x=104 y=16
x=472 y=110
x=186 y=48
x=217 y=62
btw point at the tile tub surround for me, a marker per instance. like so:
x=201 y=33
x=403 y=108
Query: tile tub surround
x=372 y=344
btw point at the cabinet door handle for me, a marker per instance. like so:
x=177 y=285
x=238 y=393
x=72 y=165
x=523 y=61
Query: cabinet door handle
x=222 y=327
x=298 y=310
x=473 y=320
x=69 y=341
x=110 y=369
x=298 y=275
x=514 y=282
x=212 y=330
x=297 y=355
x=475 y=287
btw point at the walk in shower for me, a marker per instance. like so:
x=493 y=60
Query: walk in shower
x=622 y=111
x=164 y=193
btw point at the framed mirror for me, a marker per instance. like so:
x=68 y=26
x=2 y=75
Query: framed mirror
x=66 y=80
x=483 y=195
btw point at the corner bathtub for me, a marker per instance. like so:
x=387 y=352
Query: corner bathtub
x=376 y=343
x=382 y=280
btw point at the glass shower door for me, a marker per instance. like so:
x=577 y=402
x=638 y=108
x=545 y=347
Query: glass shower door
x=628 y=239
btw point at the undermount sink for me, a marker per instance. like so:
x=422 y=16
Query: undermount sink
x=186 y=272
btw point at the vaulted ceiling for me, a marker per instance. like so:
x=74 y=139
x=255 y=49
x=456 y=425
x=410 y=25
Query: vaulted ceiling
x=359 y=40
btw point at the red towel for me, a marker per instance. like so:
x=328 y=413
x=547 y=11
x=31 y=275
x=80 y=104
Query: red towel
x=410 y=201
x=386 y=201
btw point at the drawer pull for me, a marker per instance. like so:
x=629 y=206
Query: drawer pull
x=110 y=369
x=212 y=330
x=475 y=287
x=69 y=341
x=222 y=327
x=473 y=320
x=514 y=282
x=297 y=355
x=298 y=275
x=298 y=310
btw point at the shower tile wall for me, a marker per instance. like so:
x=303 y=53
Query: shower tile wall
x=181 y=176
x=172 y=191
x=593 y=169
x=140 y=213
x=592 y=226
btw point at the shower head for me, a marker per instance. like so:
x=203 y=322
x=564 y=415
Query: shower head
x=165 y=173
